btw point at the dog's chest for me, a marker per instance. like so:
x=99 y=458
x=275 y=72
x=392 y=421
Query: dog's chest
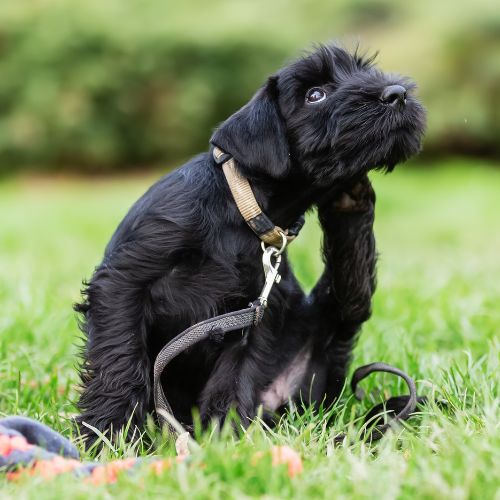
x=287 y=383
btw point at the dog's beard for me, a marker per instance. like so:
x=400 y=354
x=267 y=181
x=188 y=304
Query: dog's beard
x=333 y=166
x=407 y=136
x=397 y=138
x=400 y=148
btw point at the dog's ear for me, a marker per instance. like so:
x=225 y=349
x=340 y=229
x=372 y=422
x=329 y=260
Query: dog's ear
x=255 y=136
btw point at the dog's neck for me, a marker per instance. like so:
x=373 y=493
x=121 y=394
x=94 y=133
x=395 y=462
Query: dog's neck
x=284 y=201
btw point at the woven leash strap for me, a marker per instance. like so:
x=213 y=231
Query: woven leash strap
x=219 y=325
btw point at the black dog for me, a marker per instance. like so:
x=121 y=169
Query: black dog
x=184 y=253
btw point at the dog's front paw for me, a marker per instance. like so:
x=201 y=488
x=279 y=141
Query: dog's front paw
x=222 y=409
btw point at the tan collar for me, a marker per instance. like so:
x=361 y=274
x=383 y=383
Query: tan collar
x=249 y=209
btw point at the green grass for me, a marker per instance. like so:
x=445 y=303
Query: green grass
x=436 y=315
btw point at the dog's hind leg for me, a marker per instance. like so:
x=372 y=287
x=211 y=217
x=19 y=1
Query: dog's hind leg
x=341 y=299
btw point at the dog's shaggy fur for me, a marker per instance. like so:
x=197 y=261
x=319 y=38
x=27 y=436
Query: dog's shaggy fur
x=184 y=254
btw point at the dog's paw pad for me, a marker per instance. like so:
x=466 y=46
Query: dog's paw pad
x=345 y=202
x=358 y=199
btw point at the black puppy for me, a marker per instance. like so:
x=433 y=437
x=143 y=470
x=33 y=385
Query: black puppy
x=184 y=253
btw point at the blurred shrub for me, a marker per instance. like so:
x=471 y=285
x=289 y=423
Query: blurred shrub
x=81 y=89
x=104 y=84
x=466 y=95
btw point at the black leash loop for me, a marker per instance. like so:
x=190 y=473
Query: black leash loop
x=364 y=371
x=377 y=432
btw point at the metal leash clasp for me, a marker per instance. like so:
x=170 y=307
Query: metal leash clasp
x=271 y=270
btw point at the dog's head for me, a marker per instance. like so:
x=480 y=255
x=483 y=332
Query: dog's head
x=330 y=115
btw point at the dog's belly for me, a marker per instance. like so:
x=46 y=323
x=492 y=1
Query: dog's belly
x=288 y=382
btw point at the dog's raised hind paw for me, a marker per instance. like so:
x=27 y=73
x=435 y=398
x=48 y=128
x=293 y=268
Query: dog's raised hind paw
x=360 y=198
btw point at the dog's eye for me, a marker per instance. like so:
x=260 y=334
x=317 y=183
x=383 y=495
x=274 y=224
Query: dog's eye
x=314 y=95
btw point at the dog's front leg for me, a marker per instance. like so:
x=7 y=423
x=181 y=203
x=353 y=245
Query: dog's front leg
x=229 y=387
x=342 y=297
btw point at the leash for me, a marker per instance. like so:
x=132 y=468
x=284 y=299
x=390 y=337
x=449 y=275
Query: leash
x=373 y=430
x=216 y=327
x=273 y=242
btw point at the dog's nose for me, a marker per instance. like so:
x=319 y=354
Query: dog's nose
x=394 y=95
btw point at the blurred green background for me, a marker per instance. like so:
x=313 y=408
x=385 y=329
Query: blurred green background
x=124 y=84
x=94 y=88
